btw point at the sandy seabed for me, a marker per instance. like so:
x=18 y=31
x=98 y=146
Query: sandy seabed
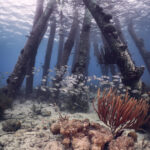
x=35 y=133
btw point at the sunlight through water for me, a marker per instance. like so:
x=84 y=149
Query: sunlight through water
x=16 y=15
x=16 y=19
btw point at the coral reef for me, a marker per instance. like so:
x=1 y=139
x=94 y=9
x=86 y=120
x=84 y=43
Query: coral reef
x=119 y=112
x=34 y=133
x=86 y=135
x=81 y=135
x=11 y=125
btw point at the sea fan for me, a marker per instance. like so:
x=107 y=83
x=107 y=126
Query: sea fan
x=119 y=112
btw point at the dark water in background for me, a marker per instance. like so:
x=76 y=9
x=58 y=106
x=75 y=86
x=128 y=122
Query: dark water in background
x=16 y=19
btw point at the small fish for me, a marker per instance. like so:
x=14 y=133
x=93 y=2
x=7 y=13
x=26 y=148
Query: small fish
x=72 y=92
x=86 y=87
x=101 y=79
x=105 y=77
x=116 y=76
x=64 y=90
x=81 y=84
x=43 y=80
x=57 y=84
x=120 y=87
x=121 y=84
x=118 y=92
x=54 y=89
x=88 y=80
x=144 y=95
x=95 y=86
x=128 y=87
x=115 y=80
x=15 y=78
x=111 y=83
x=135 y=91
x=104 y=83
x=124 y=90
x=122 y=95
x=43 y=89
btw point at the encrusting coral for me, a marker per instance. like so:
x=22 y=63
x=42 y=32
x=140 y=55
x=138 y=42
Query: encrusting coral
x=122 y=143
x=86 y=135
x=116 y=112
x=81 y=135
x=119 y=112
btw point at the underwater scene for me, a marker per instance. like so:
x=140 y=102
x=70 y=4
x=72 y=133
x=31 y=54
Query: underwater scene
x=75 y=75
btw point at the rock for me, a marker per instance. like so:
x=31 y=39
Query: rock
x=1 y=146
x=45 y=113
x=36 y=109
x=11 y=125
x=51 y=122
x=133 y=135
x=5 y=102
x=122 y=143
x=54 y=145
x=142 y=144
x=55 y=128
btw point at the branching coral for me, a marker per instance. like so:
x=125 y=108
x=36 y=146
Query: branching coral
x=119 y=112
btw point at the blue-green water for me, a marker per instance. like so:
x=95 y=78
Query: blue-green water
x=16 y=18
x=36 y=115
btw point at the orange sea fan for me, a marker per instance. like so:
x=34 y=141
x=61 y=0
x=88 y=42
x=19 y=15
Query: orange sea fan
x=119 y=112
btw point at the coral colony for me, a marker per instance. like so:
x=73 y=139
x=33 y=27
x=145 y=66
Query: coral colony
x=116 y=112
x=119 y=112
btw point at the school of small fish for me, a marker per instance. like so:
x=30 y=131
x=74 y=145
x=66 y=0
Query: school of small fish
x=70 y=86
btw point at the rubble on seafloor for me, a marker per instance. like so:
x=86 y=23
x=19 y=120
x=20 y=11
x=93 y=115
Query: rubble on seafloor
x=35 y=134
x=86 y=135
